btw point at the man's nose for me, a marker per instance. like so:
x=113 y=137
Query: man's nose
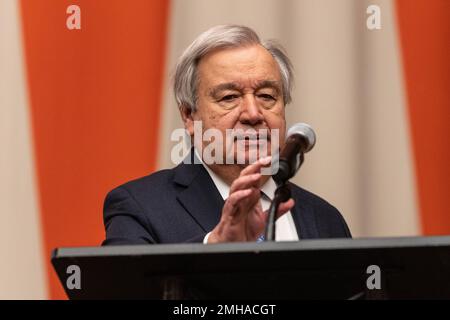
x=250 y=111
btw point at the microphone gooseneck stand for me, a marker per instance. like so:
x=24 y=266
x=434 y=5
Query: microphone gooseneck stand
x=282 y=194
x=300 y=139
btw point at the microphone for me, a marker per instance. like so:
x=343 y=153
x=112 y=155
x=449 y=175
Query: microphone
x=300 y=139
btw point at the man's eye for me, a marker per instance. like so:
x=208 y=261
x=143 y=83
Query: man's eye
x=229 y=98
x=267 y=97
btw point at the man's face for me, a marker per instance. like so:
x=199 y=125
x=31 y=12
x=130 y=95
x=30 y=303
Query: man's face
x=241 y=88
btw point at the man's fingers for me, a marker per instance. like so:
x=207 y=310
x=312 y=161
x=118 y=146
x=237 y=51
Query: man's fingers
x=238 y=198
x=256 y=167
x=245 y=182
x=250 y=176
x=285 y=207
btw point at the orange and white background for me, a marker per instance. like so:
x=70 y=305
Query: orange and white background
x=82 y=111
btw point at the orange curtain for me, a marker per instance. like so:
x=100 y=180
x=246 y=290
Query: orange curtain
x=95 y=96
x=425 y=38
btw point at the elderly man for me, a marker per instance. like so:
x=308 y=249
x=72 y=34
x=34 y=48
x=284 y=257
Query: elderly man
x=226 y=79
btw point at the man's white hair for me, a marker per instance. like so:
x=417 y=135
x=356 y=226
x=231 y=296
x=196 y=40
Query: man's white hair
x=223 y=37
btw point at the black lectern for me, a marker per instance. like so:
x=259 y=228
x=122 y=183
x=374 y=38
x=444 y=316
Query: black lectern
x=410 y=268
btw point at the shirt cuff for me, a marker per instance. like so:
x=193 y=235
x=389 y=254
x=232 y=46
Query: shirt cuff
x=205 y=240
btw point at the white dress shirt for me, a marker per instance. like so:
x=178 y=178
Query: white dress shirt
x=285 y=229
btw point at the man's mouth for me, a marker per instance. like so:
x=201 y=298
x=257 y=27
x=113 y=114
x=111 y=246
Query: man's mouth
x=252 y=137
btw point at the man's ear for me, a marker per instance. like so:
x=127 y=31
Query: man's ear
x=188 y=120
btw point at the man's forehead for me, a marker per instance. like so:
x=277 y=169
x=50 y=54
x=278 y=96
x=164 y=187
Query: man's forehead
x=243 y=54
x=238 y=64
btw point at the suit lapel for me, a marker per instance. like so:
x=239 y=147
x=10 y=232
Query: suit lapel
x=200 y=197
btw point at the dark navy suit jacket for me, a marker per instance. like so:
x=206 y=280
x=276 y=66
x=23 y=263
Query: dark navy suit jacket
x=183 y=204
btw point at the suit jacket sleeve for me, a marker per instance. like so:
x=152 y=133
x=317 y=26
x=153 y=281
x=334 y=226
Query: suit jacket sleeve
x=126 y=223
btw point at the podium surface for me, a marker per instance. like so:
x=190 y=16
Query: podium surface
x=413 y=267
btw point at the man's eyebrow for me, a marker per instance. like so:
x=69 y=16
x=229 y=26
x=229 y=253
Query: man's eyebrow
x=269 y=84
x=235 y=86
x=224 y=86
